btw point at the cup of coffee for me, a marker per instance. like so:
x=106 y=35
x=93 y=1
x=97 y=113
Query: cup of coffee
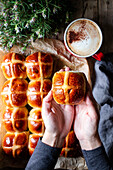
x=83 y=38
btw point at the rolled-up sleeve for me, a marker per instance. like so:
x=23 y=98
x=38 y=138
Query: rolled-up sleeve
x=44 y=157
x=97 y=159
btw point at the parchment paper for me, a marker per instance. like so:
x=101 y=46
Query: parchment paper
x=61 y=58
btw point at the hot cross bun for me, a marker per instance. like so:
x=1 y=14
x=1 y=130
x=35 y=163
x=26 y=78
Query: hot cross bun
x=69 y=87
x=13 y=66
x=33 y=140
x=15 y=119
x=37 y=90
x=71 y=147
x=15 y=144
x=14 y=92
x=39 y=65
x=35 y=121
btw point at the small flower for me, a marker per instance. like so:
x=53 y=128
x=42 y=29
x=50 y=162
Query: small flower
x=4 y=14
x=7 y=34
x=32 y=20
x=40 y=35
x=16 y=18
x=6 y=24
x=17 y=29
x=10 y=44
x=27 y=25
x=22 y=51
x=56 y=33
x=31 y=38
x=15 y=7
x=37 y=32
x=18 y=41
x=31 y=5
x=6 y=49
x=44 y=13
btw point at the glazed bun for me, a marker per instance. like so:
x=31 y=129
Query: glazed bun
x=15 y=119
x=71 y=147
x=69 y=87
x=39 y=65
x=33 y=140
x=13 y=66
x=14 y=92
x=15 y=144
x=37 y=90
x=35 y=121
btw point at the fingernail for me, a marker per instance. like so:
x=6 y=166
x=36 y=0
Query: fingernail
x=67 y=69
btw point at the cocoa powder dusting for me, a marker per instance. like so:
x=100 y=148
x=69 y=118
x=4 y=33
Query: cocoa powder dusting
x=76 y=36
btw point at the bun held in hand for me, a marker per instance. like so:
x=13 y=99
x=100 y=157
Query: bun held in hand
x=69 y=87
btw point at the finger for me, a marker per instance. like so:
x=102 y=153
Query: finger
x=61 y=70
x=69 y=108
x=49 y=97
x=53 y=109
x=46 y=106
x=67 y=69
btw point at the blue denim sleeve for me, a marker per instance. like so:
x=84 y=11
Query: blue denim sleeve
x=97 y=159
x=44 y=157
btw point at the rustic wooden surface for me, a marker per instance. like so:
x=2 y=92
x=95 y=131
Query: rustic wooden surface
x=101 y=11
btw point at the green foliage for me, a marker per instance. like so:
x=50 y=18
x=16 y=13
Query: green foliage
x=24 y=20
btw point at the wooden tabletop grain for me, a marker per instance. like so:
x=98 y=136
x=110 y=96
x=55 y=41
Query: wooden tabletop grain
x=101 y=11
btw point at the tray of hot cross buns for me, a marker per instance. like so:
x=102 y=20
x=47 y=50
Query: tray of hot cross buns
x=25 y=79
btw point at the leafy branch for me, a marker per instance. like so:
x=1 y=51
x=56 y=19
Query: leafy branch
x=23 y=21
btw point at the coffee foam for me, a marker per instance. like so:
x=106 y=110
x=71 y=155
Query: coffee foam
x=83 y=37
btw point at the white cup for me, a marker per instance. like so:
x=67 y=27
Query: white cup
x=83 y=38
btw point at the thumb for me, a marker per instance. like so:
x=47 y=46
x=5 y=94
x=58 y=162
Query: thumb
x=46 y=105
x=49 y=97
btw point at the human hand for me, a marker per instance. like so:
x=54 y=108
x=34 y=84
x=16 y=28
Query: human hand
x=86 y=123
x=58 y=120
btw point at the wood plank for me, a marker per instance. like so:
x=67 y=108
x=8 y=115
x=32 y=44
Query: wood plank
x=78 y=8
x=106 y=23
x=91 y=11
x=101 y=11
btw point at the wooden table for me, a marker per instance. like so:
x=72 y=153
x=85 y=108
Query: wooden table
x=101 y=11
